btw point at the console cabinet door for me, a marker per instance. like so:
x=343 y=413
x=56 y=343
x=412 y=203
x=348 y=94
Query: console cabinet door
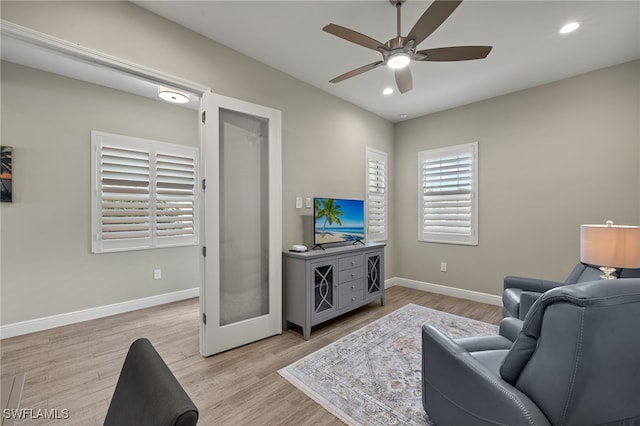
x=375 y=273
x=324 y=296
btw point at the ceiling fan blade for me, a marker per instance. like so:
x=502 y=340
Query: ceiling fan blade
x=354 y=37
x=356 y=71
x=431 y=19
x=456 y=53
x=404 y=81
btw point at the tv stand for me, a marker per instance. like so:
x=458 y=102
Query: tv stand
x=320 y=285
x=353 y=244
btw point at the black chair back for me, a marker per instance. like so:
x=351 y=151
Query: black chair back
x=148 y=394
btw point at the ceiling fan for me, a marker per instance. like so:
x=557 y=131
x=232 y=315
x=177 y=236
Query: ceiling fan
x=398 y=52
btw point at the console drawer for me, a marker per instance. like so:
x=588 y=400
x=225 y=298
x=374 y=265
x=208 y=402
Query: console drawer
x=350 y=262
x=350 y=275
x=350 y=293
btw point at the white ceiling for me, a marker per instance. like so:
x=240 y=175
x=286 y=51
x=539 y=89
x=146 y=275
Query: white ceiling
x=527 y=48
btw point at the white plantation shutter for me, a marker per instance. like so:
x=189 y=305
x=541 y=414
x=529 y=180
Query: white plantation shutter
x=175 y=197
x=144 y=193
x=448 y=195
x=124 y=195
x=376 y=195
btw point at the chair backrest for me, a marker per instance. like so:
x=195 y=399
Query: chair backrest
x=582 y=273
x=629 y=273
x=148 y=393
x=577 y=356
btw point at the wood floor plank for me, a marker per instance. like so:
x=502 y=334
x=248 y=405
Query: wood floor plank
x=76 y=367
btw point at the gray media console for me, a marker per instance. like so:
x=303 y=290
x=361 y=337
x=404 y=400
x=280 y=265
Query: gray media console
x=322 y=284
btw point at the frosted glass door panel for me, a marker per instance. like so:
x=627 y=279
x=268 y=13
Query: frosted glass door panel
x=244 y=217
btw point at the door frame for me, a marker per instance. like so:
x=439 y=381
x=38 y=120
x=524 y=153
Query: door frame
x=78 y=55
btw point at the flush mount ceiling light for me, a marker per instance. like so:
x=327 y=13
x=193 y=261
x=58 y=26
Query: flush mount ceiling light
x=173 y=96
x=387 y=91
x=398 y=60
x=570 y=27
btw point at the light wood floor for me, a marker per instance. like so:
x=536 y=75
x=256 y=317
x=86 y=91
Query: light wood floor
x=76 y=367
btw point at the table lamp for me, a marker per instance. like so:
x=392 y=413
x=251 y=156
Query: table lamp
x=612 y=246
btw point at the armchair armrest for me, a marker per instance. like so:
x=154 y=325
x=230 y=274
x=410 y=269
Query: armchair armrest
x=459 y=389
x=530 y=284
x=510 y=328
x=527 y=299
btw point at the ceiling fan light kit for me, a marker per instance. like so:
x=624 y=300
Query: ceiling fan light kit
x=398 y=60
x=398 y=52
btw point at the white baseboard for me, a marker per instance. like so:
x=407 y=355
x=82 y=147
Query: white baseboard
x=447 y=291
x=39 y=324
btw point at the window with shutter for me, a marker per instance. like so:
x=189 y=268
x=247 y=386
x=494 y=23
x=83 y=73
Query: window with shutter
x=448 y=195
x=376 y=195
x=144 y=193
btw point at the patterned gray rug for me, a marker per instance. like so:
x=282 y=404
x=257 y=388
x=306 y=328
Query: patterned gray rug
x=373 y=375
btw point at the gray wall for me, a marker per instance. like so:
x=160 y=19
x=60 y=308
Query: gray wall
x=324 y=141
x=550 y=158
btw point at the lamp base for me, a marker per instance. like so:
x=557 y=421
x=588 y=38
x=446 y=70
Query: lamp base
x=607 y=272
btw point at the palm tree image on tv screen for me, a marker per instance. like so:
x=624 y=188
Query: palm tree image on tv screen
x=338 y=220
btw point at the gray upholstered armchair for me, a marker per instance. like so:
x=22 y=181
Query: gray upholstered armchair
x=574 y=362
x=148 y=393
x=519 y=293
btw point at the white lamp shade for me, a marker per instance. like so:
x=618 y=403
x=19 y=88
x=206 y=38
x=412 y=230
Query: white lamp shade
x=615 y=246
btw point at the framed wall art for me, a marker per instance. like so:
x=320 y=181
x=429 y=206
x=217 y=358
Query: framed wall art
x=6 y=174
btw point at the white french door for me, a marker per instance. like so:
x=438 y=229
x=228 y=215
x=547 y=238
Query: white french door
x=241 y=294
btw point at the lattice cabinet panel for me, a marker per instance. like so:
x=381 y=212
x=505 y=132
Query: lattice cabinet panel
x=324 y=288
x=374 y=275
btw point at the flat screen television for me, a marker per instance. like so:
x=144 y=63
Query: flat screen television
x=338 y=221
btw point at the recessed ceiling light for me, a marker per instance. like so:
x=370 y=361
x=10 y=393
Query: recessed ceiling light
x=403 y=116
x=570 y=27
x=171 y=95
x=387 y=91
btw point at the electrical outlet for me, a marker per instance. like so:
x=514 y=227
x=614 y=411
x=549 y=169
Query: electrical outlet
x=157 y=274
x=443 y=266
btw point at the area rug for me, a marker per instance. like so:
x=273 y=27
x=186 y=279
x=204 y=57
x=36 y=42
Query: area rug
x=373 y=375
